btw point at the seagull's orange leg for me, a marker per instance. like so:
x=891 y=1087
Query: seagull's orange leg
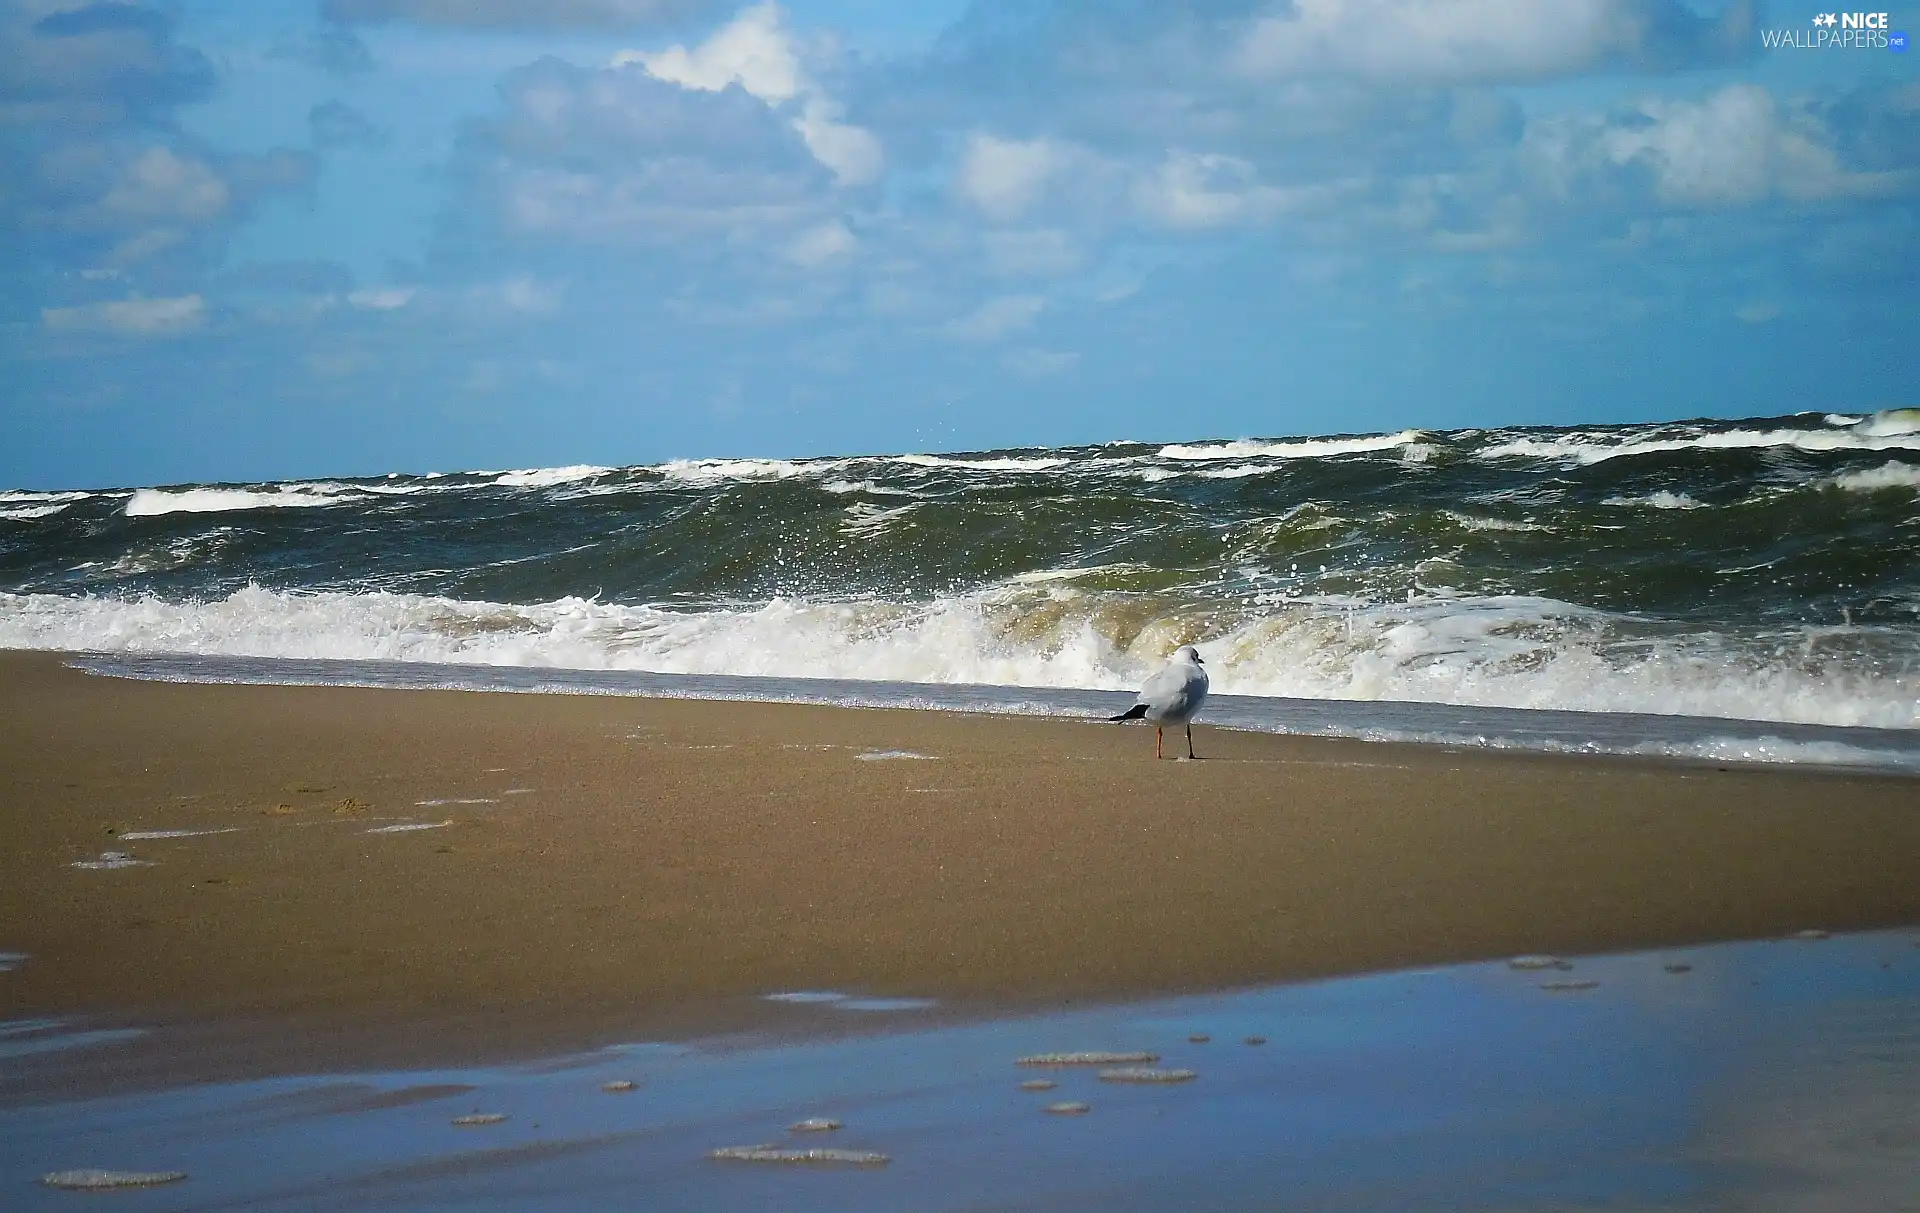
x=1159 y=735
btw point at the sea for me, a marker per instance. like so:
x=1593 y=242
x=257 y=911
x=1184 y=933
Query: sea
x=1724 y=590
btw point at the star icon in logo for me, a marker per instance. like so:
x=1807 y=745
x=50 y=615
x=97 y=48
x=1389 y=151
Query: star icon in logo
x=1826 y=19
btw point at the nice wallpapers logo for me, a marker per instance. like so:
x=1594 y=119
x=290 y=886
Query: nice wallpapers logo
x=1838 y=32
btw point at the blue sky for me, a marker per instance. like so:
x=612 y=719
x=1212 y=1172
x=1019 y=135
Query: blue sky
x=327 y=237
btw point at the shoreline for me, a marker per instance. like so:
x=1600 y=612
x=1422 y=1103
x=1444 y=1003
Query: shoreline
x=673 y=860
x=1719 y=740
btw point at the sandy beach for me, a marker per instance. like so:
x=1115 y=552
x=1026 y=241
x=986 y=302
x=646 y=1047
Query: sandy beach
x=599 y=869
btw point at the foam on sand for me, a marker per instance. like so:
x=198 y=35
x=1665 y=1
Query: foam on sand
x=101 y=1181
x=781 y=1154
x=144 y=835
x=1088 y=1059
x=410 y=827
x=111 y=861
x=1146 y=1075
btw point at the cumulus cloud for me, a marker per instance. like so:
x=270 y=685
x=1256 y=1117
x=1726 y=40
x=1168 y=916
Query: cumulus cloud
x=1737 y=146
x=819 y=245
x=1449 y=41
x=97 y=176
x=514 y=14
x=617 y=156
x=758 y=53
x=1004 y=177
x=1203 y=190
x=130 y=317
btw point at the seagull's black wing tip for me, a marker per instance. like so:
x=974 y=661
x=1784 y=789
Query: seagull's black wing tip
x=1133 y=713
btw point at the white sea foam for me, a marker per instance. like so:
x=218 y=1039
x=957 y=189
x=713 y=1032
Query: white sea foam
x=147 y=503
x=15 y=496
x=1590 y=448
x=1890 y=421
x=865 y=521
x=863 y=486
x=144 y=835
x=1493 y=651
x=540 y=478
x=1476 y=522
x=707 y=471
x=982 y=465
x=1662 y=500
x=23 y=513
x=1890 y=475
x=1307 y=448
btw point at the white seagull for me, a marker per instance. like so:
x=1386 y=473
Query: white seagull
x=1173 y=696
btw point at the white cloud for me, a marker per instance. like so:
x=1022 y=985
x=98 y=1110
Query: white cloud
x=1734 y=147
x=851 y=152
x=385 y=299
x=819 y=245
x=996 y=318
x=1003 y=177
x=754 y=50
x=133 y=317
x=161 y=184
x=1452 y=41
x=1202 y=190
x=1038 y=252
x=757 y=52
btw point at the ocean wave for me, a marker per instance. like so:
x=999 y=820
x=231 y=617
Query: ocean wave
x=706 y=471
x=27 y=512
x=1303 y=448
x=1489 y=651
x=981 y=465
x=148 y=503
x=540 y=478
x=1586 y=449
x=1890 y=475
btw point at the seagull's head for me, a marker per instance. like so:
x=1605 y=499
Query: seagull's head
x=1189 y=654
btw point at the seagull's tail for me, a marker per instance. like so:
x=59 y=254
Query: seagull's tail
x=1133 y=713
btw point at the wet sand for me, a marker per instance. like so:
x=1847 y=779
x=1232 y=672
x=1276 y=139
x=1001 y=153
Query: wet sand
x=618 y=869
x=1775 y=1075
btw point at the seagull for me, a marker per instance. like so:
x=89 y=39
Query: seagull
x=1173 y=696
